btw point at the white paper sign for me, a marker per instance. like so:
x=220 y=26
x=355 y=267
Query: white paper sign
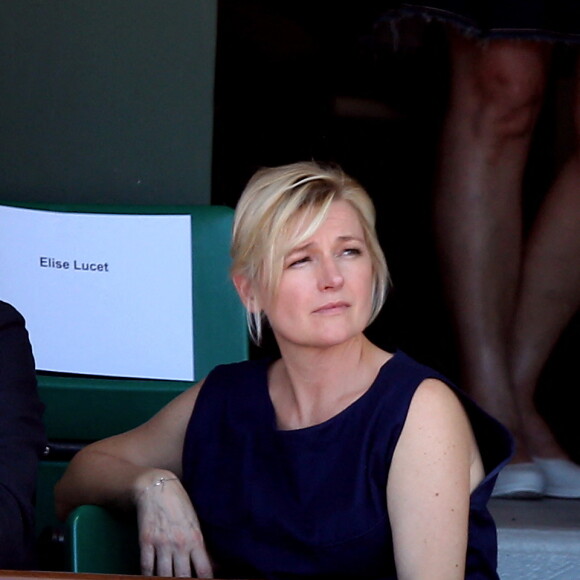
x=102 y=294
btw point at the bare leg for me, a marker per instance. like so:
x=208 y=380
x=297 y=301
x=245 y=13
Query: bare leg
x=549 y=293
x=496 y=94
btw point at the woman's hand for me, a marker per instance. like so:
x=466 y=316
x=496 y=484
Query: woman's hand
x=169 y=533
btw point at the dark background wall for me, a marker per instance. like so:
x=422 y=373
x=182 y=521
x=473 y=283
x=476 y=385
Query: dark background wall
x=106 y=100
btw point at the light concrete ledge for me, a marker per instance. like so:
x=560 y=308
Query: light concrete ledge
x=538 y=539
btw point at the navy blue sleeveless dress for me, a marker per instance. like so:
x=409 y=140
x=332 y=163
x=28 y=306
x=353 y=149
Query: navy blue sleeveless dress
x=311 y=503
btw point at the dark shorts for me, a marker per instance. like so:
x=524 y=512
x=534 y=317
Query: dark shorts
x=546 y=20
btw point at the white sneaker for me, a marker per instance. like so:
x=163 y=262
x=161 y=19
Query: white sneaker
x=520 y=480
x=562 y=477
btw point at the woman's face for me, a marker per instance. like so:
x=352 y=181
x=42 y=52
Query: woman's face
x=325 y=293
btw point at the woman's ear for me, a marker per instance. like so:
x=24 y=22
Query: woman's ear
x=246 y=292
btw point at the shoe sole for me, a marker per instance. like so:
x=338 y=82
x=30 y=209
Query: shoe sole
x=563 y=492
x=518 y=494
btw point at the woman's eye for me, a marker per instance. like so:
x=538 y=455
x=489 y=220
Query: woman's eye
x=298 y=262
x=351 y=252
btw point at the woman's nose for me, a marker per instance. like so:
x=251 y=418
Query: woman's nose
x=330 y=276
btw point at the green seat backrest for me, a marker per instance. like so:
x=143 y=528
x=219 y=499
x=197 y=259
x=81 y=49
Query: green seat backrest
x=49 y=472
x=101 y=541
x=85 y=409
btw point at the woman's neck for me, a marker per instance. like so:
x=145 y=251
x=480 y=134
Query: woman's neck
x=309 y=386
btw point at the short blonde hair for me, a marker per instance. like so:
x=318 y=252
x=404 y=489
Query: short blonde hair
x=280 y=208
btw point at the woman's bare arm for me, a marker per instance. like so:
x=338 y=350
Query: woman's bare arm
x=115 y=470
x=127 y=470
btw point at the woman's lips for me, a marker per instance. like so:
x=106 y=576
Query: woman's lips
x=332 y=308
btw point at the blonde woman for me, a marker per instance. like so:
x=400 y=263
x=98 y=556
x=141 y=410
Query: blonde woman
x=338 y=459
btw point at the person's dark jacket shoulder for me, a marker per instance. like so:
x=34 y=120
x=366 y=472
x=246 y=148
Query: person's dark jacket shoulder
x=22 y=440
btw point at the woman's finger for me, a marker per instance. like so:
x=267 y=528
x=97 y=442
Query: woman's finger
x=201 y=562
x=164 y=563
x=147 y=559
x=182 y=565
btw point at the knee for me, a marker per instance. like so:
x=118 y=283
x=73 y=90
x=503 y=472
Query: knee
x=497 y=89
x=509 y=99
